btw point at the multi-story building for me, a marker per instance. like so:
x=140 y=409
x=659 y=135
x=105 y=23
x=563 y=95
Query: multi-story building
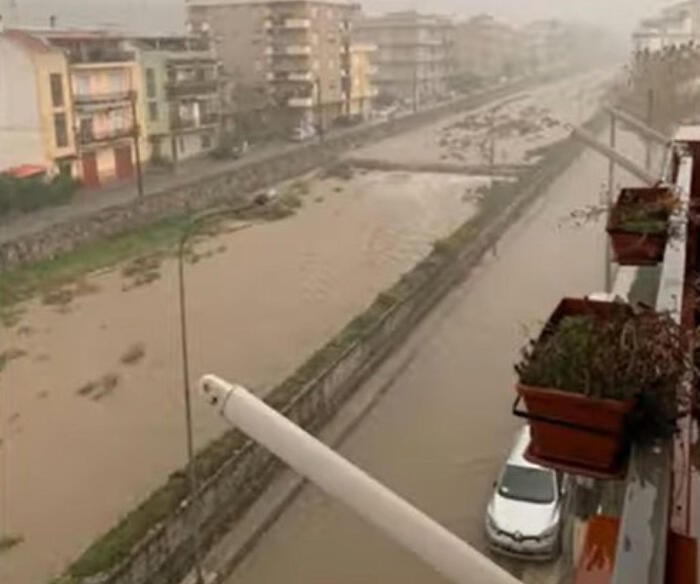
x=486 y=48
x=181 y=95
x=414 y=54
x=546 y=45
x=362 y=73
x=675 y=25
x=105 y=85
x=36 y=114
x=289 y=57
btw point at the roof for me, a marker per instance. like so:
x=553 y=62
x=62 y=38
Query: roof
x=689 y=133
x=29 y=42
x=25 y=170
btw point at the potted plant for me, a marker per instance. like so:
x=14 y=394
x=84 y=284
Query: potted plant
x=600 y=376
x=638 y=225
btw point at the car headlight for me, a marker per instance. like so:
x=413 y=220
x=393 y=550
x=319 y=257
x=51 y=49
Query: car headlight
x=491 y=523
x=550 y=532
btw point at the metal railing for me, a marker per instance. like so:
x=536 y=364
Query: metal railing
x=642 y=543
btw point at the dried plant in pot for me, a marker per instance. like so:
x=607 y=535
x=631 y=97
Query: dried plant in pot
x=638 y=225
x=600 y=376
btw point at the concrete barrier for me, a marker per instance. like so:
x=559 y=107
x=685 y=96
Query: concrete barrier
x=312 y=396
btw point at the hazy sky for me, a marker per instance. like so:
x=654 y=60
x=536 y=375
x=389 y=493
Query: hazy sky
x=620 y=15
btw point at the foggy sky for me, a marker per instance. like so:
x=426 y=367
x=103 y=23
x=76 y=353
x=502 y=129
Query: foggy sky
x=168 y=15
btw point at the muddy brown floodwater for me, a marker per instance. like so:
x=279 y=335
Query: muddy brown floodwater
x=442 y=432
x=78 y=453
x=92 y=412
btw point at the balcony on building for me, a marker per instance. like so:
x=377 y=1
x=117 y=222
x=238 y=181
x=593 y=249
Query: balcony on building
x=88 y=137
x=288 y=23
x=99 y=101
x=204 y=121
x=191 y=86
x=292 y=50
x=293 y=76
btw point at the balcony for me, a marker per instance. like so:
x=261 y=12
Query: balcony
x=300 y=102
x=296 y=76
x=87 y=137
x=96 y=101
x=205 y=121
x=189 y=87
x=97 y=56
x=292 y=23
x=291 y=50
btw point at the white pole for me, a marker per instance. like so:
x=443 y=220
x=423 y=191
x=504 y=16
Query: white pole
x=405 y=524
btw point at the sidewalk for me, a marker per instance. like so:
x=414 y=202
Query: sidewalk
x=155 y=180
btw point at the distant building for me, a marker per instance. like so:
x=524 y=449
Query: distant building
x=546 y=46
x=36 y=113
x=104 y=87
x=414 y=54
x=675 y=25
x=362 y=73
x=181 y=96
x=288 y=59
x=486 y=48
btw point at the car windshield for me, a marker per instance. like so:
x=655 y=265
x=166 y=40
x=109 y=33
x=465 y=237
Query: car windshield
x=521 y=483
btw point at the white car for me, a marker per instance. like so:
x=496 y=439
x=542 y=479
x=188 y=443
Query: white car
x=524 y=515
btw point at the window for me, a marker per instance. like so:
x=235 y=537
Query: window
x=82 y=85
x=532 y=485
x=150 y=82
x=206 y=141
x=60 y=130
x=153 y=111
x=181 y=144
x=56 y=80
x=117 y=81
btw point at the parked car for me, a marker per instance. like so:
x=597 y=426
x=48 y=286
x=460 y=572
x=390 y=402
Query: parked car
x=524 y=515
x=302 y=133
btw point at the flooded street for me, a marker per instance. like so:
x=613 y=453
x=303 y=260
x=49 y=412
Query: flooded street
x=444 y=429
x=92 y=406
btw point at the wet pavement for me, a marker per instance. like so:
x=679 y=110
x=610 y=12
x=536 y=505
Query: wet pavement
x=443 y=430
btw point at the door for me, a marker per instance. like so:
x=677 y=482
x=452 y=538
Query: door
x=91 y=177
x=123 y=163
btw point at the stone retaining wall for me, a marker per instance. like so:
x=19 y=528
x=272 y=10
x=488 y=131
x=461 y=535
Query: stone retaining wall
x=226 y=185
x=164 y=555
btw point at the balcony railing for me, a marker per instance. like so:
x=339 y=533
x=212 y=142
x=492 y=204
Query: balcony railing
x=205 y=121
x=291 y=23
x=188 y=87
x=294 y=76
x=91 y=56
x=89 y=137
x=288 y=50
x=100 y=100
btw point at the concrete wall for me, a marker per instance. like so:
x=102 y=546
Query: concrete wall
x=165 y=554
x=20 y=126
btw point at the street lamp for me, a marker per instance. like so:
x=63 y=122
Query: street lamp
x=196 y=222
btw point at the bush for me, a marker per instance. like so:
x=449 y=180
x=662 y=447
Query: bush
x=30 y=194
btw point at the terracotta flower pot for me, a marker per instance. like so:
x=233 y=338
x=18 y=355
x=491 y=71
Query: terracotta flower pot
x=632 y=247
x=576 y=433
x=572 y=432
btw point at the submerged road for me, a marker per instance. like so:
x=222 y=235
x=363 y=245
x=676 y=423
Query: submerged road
x=442 y=431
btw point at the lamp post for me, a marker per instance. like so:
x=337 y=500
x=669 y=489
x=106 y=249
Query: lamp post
x=190 y=230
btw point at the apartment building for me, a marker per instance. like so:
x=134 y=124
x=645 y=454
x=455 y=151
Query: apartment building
x=362 y=73
x=547 y=45
x=36 y=114
x=181 y=97
x=485 y=48
x=290 y=58
x=675 y=25
x=104 y=89
x=414 y=54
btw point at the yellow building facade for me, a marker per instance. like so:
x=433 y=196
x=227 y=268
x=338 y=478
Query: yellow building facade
x=362 y=71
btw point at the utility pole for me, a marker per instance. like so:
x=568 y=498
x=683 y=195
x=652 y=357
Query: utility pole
x=137 y=148
x=319 y=106
x=650 y=123
x=610 y=198
x=415 y=86
x=492 y=146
